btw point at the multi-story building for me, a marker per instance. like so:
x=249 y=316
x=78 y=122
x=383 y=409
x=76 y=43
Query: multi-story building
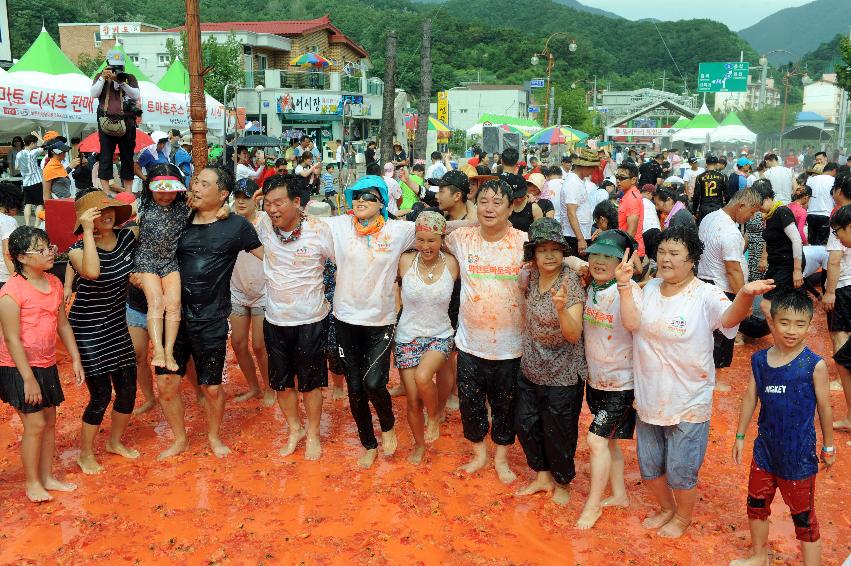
x=467 y=104
x=76 y=39
x=737 y=101
x=823 y=96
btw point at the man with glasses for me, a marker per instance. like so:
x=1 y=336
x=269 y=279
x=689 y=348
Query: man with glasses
x=631 y=209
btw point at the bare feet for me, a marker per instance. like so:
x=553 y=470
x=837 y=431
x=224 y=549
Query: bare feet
x=657 y=520
x=389 y=442
x=561 y=495
x=432 y=431
x=312 y=448
x=755 y=560
x=89 y=465
x=37 y=494
x=218 y=447
x=616 y=501
x=368 y=458
x=144 y=407
x=398 y=391
x=416 y=455
x=292 y=442
x=452 y=403
x=844 y=425
x=339 y=394
x=171 y=363
x=721 y=387
x=53 y=484
x=250 y=394
x=269 y=397
x=504 y=473
x=588 y=517
x=176 y=448
x=121 y=450
x=158 y=359
x=541 y=483
x=674 y=528
x=478 y=462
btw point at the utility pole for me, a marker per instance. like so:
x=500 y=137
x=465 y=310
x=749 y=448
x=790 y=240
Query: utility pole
x=421 y=141
x=664 y=74
x=197 y=104
x=388 y=114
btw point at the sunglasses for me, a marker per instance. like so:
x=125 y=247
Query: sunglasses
x=50 y=250
x=366 y=196
x=622 y=177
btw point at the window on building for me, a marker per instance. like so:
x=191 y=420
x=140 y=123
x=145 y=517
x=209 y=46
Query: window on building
x=313 y=49
x=462 y=110
x=162 y=59
x=97 y=39
x=262 y=62
x=134 y=57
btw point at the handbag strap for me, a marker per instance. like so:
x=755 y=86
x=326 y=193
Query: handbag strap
x=108 y=92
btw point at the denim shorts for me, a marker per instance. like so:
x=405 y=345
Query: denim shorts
x=136 y=318
x=408 y=354
x=675 y=451
x=239 y=310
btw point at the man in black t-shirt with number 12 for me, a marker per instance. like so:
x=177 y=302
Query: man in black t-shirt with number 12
x=709 y=189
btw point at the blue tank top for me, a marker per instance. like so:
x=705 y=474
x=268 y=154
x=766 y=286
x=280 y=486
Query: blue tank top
x=786 y=442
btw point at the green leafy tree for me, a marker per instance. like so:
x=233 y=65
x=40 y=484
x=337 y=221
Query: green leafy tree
x=90 y=63
x=224 y=61
x=843 y=69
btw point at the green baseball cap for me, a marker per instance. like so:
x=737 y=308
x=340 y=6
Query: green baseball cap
x=613 y=243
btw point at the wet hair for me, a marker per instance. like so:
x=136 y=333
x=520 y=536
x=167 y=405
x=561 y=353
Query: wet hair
x=11 y=197
x=305 y=156
x=497 y=187
x=841 y=218
x=160 y=170
x=829 y=167
x=792 y=300
x=629 y=168
x=291 y=184
x=509 y=157
x=281 y=161
x=651 y=242
x=30 y=139
x=763 y=187
x=436 y=155
x=607 y=210
x=20 y=240
x=224 y=178
x=374 y=169
x=747 y=196
x=685 y=235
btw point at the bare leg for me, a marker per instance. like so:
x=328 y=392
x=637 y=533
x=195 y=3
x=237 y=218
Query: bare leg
x=172 y=407
x=214 y=396
x=445 y=383
x=139 y=337
x=258 y=346
x=288 y=401
x=114 y=444
x=239 y=334
x=665 y=498
x=430 y=363
x=601 y=461
x=38 y=210
x=104 y=185
x=480 y=458
x=500 y=462
x=31 y=448
x=759 y=545
x=171 y=298
x=313 y=408
x=86 y=460
x=48 y=447
x=368 y=458
x=152 y=286
x=811 y=552
x=619 y=497
x=27 y=213
x=839 y=339
x=398 y=390
x=337 y=381
x=677 y=525
x=415 y=414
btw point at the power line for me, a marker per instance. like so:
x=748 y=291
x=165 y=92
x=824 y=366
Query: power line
x=669 y=51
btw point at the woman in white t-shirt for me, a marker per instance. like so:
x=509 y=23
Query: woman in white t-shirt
x=674 y=372
x=367 y=248
x=10 y=204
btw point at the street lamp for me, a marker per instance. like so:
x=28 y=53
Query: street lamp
x=550 y=61
x=259 y=90
x=805 y=80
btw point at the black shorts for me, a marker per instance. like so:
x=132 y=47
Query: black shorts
x=839 y=320
x=296 y=350
x=783 y=280
x=206 y=342
x=33 y=194
x=12 y=388
x=614 y=415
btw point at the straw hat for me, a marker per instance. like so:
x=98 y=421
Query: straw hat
x=537 y=179
x=586 y=158
x=471 y=173
x=100 y=200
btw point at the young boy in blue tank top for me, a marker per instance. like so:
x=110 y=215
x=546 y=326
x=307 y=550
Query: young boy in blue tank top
x=790 y=382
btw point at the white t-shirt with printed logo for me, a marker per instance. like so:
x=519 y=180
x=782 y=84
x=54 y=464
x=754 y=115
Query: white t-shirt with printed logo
x=672 y=352
x=366 y=270
x=834 y=245
x=608 y=345
x=723 y=241
x=490 y=324
x=295 y=292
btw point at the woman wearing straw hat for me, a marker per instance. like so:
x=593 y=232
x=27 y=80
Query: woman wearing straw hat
x=104 y=260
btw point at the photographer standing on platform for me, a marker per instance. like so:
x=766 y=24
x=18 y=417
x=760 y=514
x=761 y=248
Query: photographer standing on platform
x=118 y=96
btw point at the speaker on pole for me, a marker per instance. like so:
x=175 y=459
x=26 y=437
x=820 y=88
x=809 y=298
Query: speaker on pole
x=491 y=139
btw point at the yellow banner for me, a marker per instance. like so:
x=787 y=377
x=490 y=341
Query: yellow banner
x=443 y=106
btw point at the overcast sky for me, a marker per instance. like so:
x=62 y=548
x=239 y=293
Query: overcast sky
x=736 y=14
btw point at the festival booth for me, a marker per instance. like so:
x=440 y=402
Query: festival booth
x=697 y=131
x=732 y=130
x=176 y=82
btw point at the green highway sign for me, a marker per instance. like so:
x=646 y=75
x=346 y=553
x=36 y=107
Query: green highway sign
x=723 y=77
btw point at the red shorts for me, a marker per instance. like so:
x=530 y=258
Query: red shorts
x=799 y=495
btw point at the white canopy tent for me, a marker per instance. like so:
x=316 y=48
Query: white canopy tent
x=697 y=131
x=732 y=130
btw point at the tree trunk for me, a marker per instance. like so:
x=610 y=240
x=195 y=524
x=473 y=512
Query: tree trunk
x=388 y=118
x=197 y=103
x=421 y=141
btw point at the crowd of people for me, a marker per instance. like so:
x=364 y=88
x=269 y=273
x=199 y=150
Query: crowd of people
x=515 y=292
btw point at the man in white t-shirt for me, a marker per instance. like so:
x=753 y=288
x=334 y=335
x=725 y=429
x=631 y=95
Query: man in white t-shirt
x=690 y=175
x=821 y=203
x=576 y=205
x=436 y=170
x=837 y=303
x=489 y=337
x=651 y=215
x=295 y=329
x=780 y=177
x=723 y=260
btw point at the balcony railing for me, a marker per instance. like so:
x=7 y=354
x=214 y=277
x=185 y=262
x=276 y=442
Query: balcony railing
x=316 y=80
